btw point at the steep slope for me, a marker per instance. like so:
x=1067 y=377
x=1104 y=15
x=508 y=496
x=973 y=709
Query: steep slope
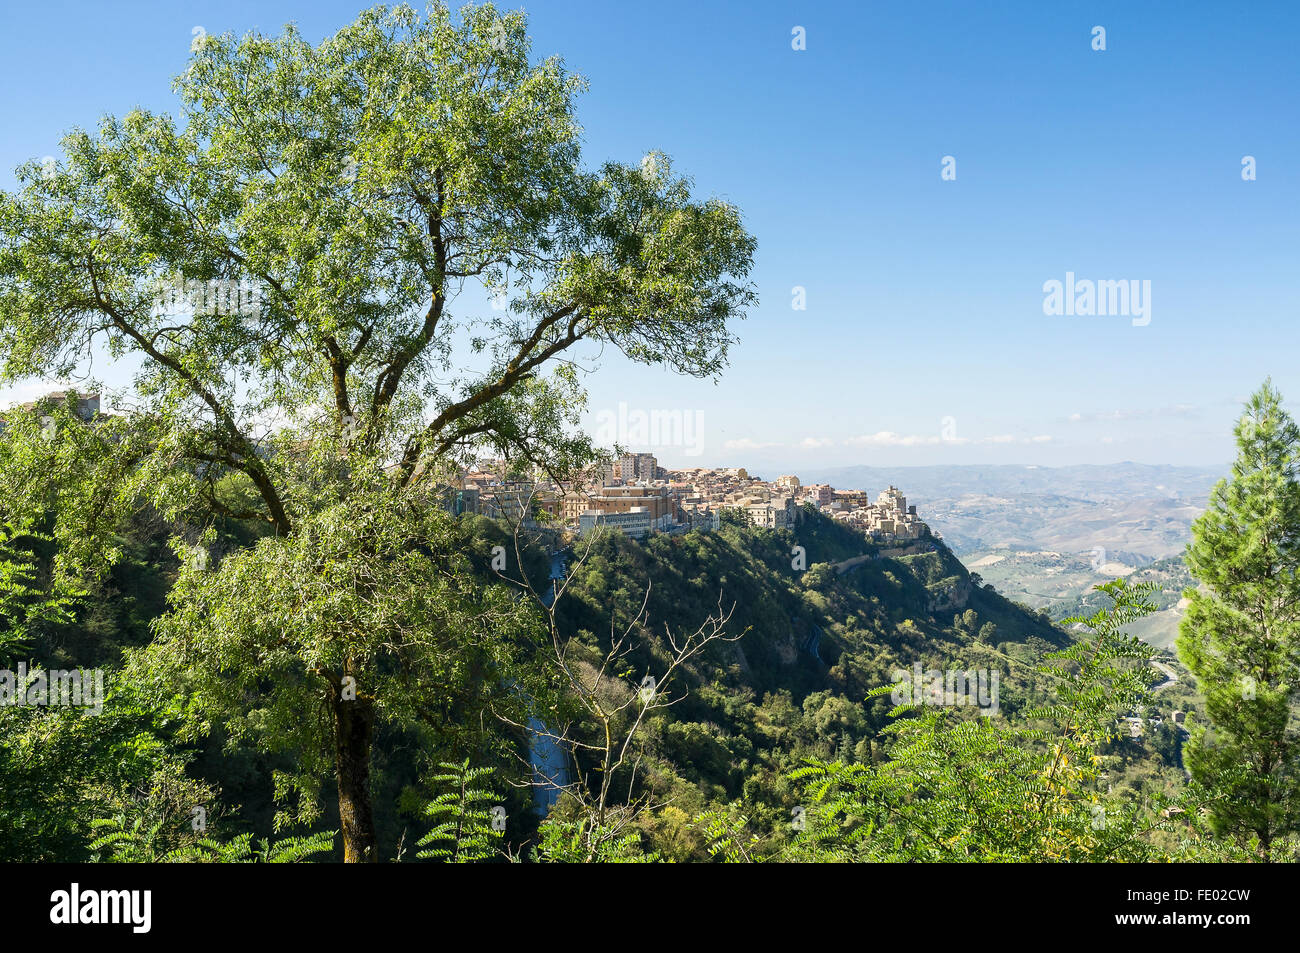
x=812 y=644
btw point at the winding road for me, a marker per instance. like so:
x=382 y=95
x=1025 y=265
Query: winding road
x=1170 y=675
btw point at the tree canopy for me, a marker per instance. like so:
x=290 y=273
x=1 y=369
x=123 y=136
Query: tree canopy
x=291 y=266
x=353 y=192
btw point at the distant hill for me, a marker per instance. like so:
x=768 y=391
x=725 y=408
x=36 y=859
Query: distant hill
x=1140 y=510
x=1045 y=536
x=1094 y=482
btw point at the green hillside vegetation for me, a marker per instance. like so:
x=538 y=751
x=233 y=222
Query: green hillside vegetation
x=752 y=711
x=761 y=707
x=1170 y=577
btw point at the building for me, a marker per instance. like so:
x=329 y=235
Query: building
x=621 y=499
x=777 y=513
x=819 y=493
x=87 y=404
x=572 y=505
x=891 y=516
x=635 y=522
x=457 y=501
x=87 y=408
x=632 y=467
x=516 y=502
x=893 y=499
x=850 y=499
x=704 y=519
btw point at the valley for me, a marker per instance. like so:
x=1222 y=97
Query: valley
x=1045 y=536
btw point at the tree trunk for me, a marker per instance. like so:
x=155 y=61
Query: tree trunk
x=354 y=726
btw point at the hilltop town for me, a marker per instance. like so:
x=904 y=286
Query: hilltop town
x=636 y=496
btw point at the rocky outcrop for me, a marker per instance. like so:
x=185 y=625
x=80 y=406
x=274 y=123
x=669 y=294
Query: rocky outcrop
x=955 y=596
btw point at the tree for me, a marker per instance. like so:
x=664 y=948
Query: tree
x=287 y=266
x=982 y=789
x=368 y=616
x=1241 y=633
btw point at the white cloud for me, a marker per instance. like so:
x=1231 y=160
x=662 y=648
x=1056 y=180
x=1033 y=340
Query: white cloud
x=1012 y=438
x=813 y=443
x=887 y=438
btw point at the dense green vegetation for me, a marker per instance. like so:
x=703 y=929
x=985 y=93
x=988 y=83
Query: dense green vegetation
x=729 y=758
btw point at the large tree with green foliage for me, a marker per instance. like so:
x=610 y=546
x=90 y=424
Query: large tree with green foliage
x=360 y=185
x=366 y=616
x=1241 y=633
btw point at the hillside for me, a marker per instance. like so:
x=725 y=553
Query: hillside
x=810 y=644
x=1046 y=536
x=813 y=644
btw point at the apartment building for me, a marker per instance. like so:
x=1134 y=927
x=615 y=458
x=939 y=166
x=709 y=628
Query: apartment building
x=636 y=522
x=777 y=513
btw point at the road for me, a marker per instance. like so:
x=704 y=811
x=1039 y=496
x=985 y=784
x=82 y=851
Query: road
x=1170 y=675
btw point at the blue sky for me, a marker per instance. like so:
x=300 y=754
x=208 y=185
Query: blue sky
x=924 y=338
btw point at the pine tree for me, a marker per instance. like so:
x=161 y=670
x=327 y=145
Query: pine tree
x=1241 y=632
